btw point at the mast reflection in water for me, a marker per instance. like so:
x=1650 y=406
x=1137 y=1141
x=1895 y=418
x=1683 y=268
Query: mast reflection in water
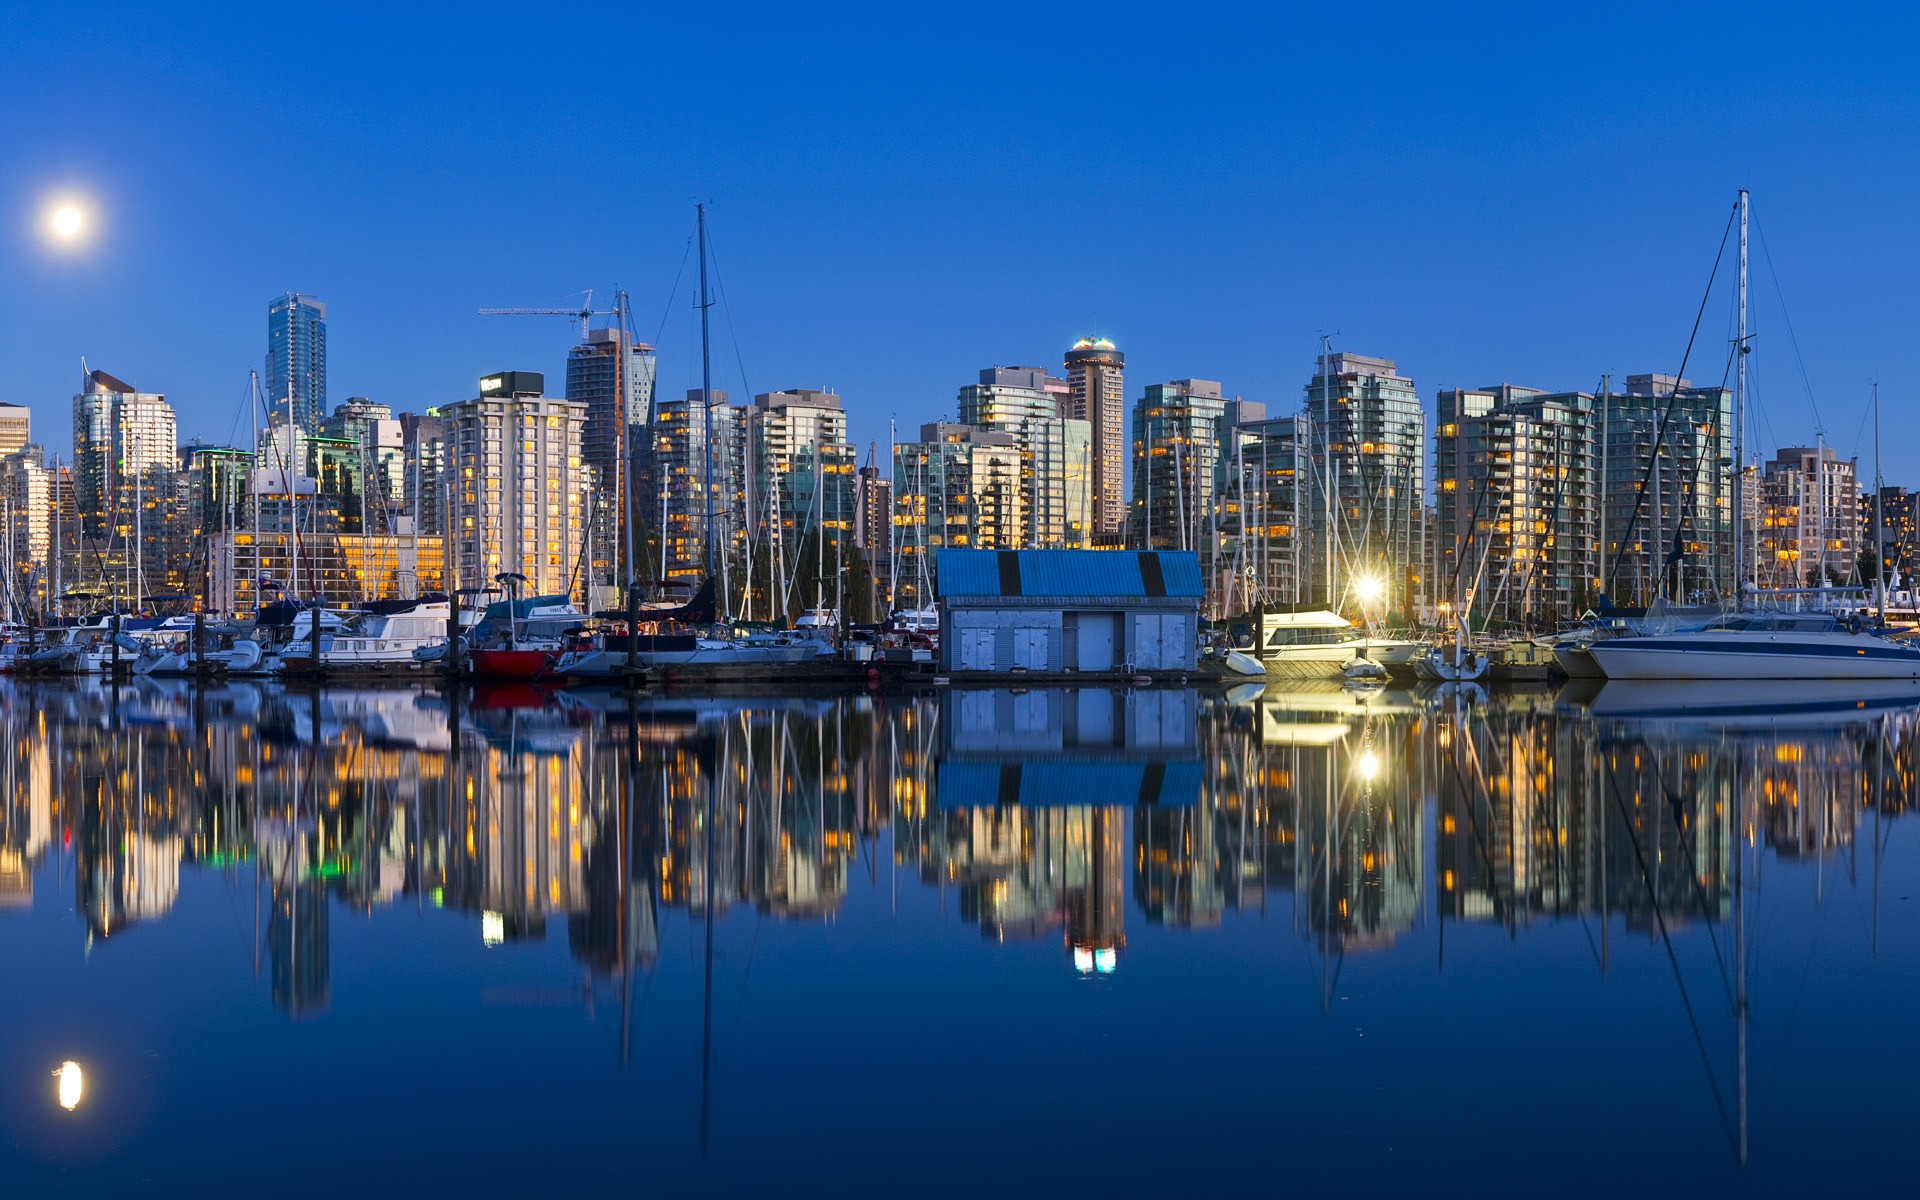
x=763 y=895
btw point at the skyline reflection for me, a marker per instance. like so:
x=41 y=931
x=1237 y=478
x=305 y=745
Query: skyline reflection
x=712 y=897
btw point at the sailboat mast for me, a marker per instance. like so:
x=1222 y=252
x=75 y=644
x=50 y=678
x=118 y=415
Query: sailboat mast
x=1879 y=568
x=706 y=401
x=1740 y=412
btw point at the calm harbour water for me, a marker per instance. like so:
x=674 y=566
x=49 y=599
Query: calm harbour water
x=1133 y=942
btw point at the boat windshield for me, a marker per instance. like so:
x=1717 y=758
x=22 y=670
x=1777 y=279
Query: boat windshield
x=1781 y=623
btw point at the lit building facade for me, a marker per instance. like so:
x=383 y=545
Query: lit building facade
x=1370 y=452
x=690 y=503
x=1682 y=494
x=957 y=486
x=380 y=448
x=521 y=490
x=1178 y=430
x=1056 y=451
x=1268 y=539
x=1810 y=507
x=1096 y=394
x=1517 y=501
x=26 y=523
x=16 y=428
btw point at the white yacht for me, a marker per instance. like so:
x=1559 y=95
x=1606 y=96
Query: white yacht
x=1317 y=643
x=1759 y=645
x=383 y=637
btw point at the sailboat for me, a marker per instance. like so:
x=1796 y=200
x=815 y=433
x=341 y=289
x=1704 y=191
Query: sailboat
x=1755 y=643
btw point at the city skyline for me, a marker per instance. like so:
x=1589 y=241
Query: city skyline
x=894 y=260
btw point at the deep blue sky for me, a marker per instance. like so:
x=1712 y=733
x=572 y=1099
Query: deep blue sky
x=905 y=194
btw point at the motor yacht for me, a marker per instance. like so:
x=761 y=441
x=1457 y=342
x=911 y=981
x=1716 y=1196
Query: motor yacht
x=1318 y=643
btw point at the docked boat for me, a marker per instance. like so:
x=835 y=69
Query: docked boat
x=1318 y=643
x=1760 y=645
x=381 y=638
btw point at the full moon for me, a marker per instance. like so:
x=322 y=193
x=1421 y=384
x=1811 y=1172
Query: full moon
x=68 y=222
x=71 y=1084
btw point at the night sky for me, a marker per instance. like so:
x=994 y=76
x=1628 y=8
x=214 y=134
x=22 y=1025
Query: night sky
x=902 y=195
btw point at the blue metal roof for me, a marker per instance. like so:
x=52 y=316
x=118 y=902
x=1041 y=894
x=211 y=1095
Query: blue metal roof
x=988 y=573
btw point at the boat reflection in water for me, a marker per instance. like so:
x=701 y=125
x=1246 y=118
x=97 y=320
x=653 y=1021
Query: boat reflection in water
x=1349 y=822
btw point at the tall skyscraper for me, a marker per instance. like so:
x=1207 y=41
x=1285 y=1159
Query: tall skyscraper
x=1097 y=395
x=521 y=490
x=296 y=378
x=594 y=379
x=1370 y=447
x=1056 y=451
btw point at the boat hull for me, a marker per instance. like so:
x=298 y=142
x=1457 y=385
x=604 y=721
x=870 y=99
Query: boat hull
x=1577 y=662
x=511 y=664
x=1731 y=655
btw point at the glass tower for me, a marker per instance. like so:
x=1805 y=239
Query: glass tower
x=296 y=378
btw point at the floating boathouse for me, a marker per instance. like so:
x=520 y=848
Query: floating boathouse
x=1058 y=611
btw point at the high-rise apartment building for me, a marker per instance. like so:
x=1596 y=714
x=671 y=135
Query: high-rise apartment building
x=521 y=490
x=1515 y=472
x=124 y=452
x=1270 y=542
x=959 y=486
x=1178 y=431
x=1097 y=395
x=696 y=493
x=1679 y=499
x=1809 y=533
x=296 y=377
x=595 y=378
x=1899 y=515
x=1056 y=451
x=1370 y=448
x=16 y=428
x=424 y=445
x=374 y=437
x=26 y=525
x=873 y=522
x=800 y=485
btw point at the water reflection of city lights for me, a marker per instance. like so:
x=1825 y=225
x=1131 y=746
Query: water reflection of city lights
x=71 y=1084
x=493 y=928
x=1105 y=960
x=1083 y=960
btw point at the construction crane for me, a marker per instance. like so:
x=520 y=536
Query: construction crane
x=583 y=314
x=623 y=484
